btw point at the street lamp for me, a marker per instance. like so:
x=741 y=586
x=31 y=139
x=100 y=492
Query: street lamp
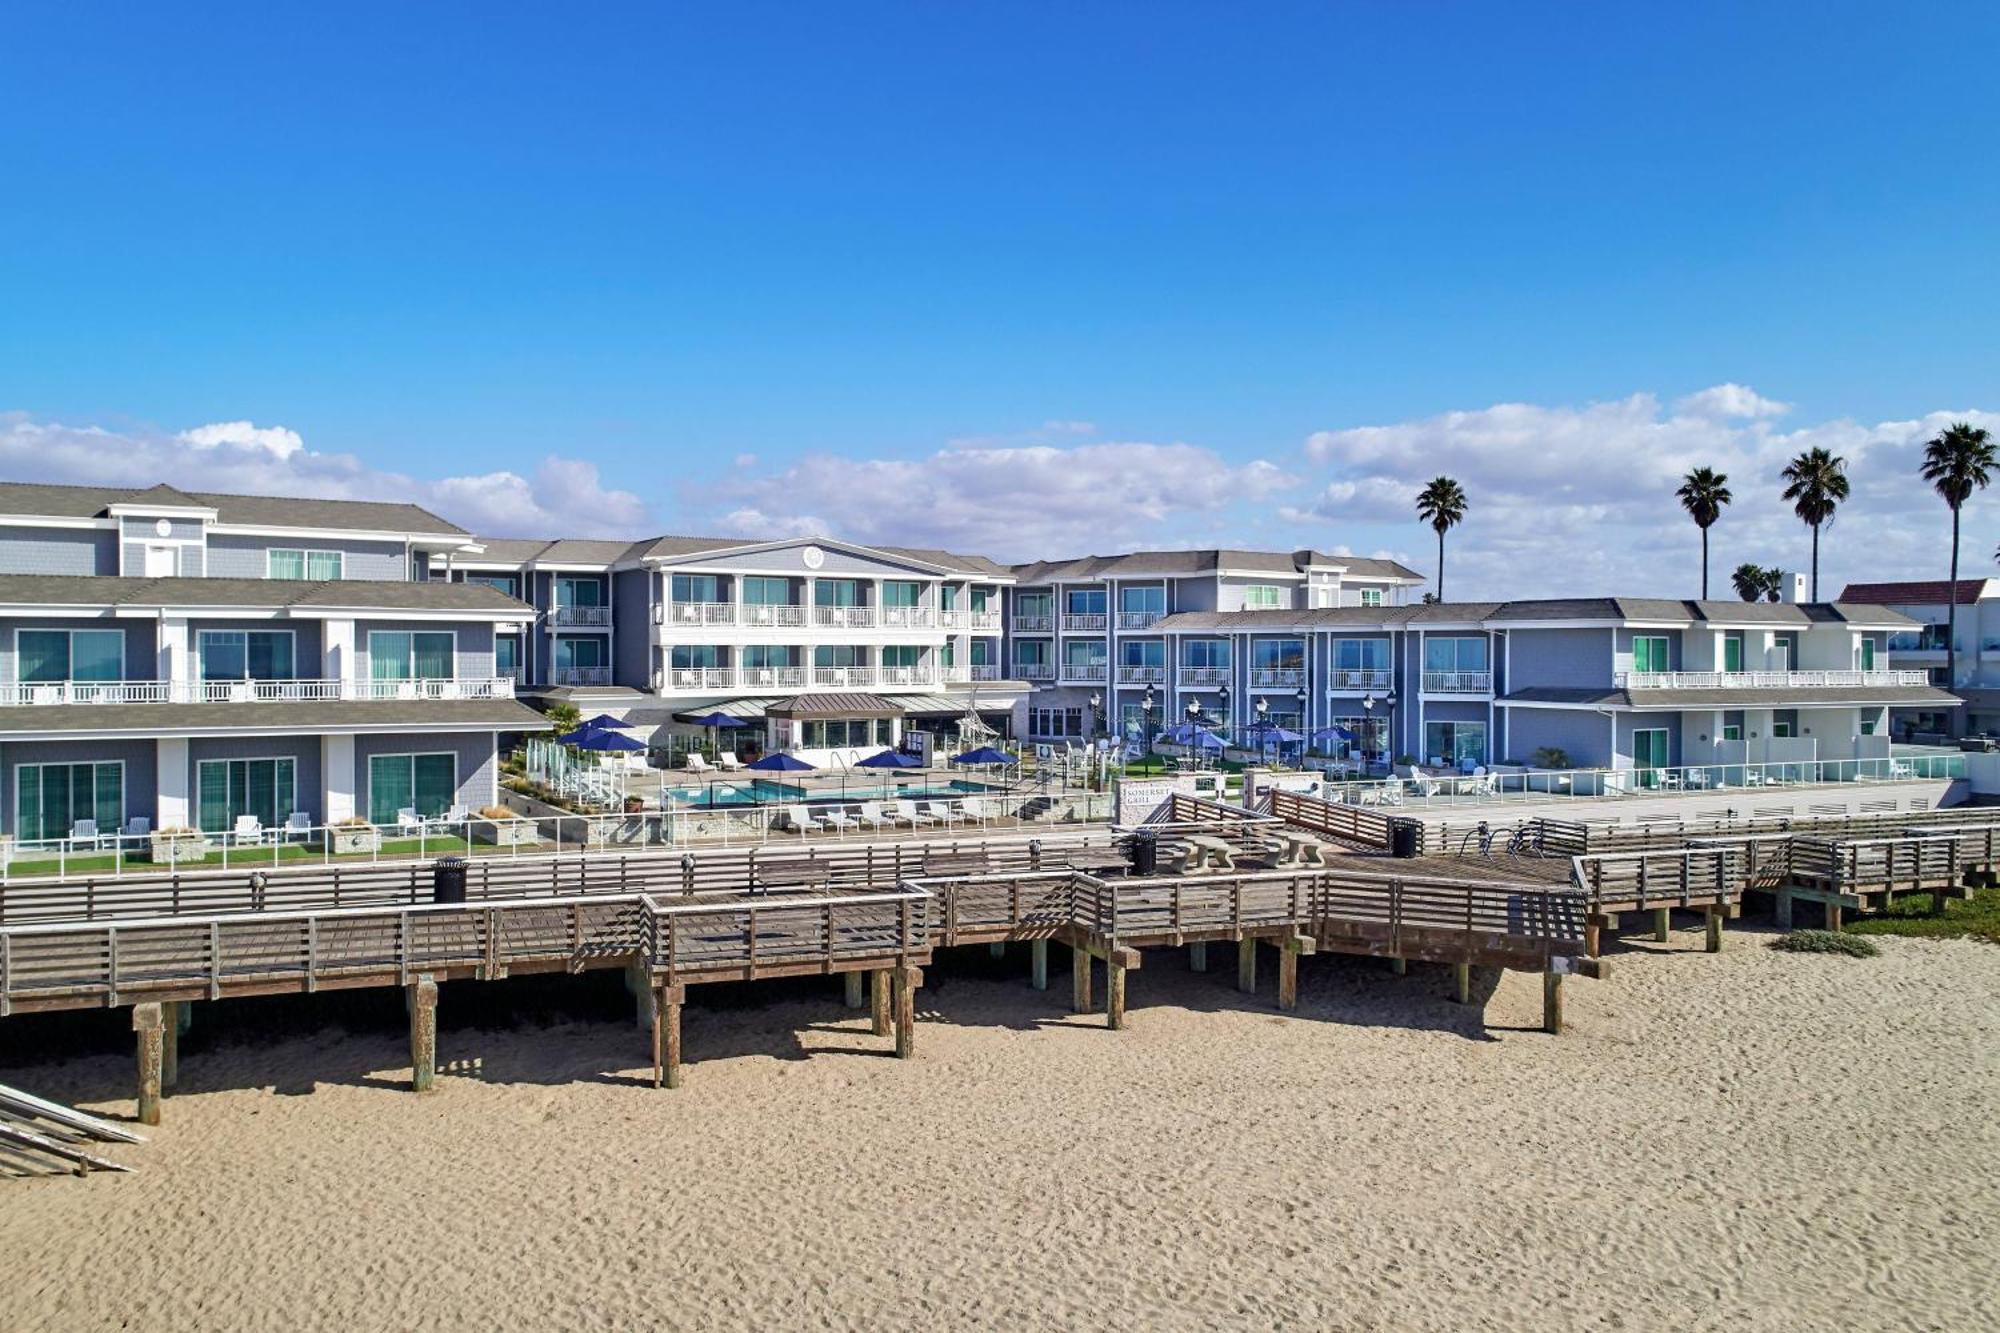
x=1228 y=720
x=1146 y=716
x=1096 y=714
x=1194 y=730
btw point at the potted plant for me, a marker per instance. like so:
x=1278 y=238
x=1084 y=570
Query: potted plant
x=177 y=844
x=354 y=834
x=504 y=828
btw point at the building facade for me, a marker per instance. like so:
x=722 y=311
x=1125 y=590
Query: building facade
x=1922 y=648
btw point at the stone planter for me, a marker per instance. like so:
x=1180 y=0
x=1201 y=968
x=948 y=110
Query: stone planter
x=615 y=831
x=505 y=832
x=354 y=839
x=172 y=849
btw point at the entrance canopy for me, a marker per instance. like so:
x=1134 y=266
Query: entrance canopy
x=833 y=705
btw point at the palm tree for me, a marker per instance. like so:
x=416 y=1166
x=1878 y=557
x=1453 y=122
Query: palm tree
x=1748 y=580
x=1703 y=493
x=1816 y=484
x=1442 y=505
x=1957 y=463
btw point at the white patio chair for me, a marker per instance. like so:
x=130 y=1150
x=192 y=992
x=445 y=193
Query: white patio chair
x=838 y=820
x=83 y=831
x=407 y=820
x=911 y=814
x=797 y=818
x=974 y=809
x=869 y=815
x=137 y=827
x=458 y=814
x=943 y=812
x=729 y=762
x=298 y=826
x=248 y=828
x=1899 y=769
x=696 y=764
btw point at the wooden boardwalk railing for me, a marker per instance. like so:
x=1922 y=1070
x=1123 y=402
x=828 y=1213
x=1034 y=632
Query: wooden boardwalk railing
x=1355 y=825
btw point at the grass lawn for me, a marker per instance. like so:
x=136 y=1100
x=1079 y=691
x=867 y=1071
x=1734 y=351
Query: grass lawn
x=1977 y=916
x=29 y=866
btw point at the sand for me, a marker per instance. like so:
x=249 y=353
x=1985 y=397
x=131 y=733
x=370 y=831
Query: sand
x=1745 y=1141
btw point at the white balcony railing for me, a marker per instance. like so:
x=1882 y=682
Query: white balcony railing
x=1359 y=679
x=1140 y=619
x=701 y=613
x=774 y=678
x=989 y=620
x=1034 y=624
x=249 y=691
x=1084 y=622
x=907 y=675
x=1141 y=675
x=905 y=617
x=844 y=617
x=1203 y=677
x=701 y=678
x=1277 y=678
x=986 y=671
x=587 y=675
x=843 y=675
x=1458 y=682
x=951 y=617
x=782 y=615
x=1085 y=671
x=1034 y=670
x=581 y=617
x=1751 y=680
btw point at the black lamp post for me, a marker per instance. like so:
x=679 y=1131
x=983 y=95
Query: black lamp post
x=1228 y=719
x=1146 y=716
x=1305 y=727
x=1368 y=702
x=1096 y=715
x=1194 y=730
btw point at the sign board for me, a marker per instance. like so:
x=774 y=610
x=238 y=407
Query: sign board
x=921 y=744
x=1138 y=798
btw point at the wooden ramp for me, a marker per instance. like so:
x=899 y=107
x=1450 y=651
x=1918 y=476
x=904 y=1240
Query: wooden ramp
x=39 y=1136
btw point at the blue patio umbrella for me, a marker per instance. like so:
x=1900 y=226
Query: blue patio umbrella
x=602 y=722
x=1187 y=733
x=719 y=720
x=779 y=762
x=985 y=754
x=593 y=738
x=890 y=759
x=1325 y=734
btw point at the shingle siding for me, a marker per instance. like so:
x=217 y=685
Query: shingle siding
x=239 y=557
x=58 y=551
x=141 y=650
x=477 y=762
x=1584 y=736
x=1565 y=657
x=141 y=775
x=303 y=751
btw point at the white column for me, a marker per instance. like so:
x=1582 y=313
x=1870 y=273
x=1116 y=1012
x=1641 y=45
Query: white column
x=170 y=773
x=338 y=786
x=173 y=664
x=338 y=660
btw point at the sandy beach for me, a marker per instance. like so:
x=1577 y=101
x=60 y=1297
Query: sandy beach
x=1749 y=1140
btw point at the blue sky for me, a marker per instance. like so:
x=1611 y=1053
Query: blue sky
x=837 y=266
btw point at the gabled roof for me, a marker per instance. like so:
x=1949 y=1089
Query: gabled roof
x=1133 y=564
x=1580 y=610
x=367 y=594
x=1935 y=592
x=273 y=511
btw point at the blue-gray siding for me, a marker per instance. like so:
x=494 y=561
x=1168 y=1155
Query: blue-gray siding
x=141 y=776
x=239 y=557
x=58 y=551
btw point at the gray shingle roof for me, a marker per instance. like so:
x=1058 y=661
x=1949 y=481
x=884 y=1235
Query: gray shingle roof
x=1203 y=561
x=1778 y=696
x=365 y=594
x=259 y=510
x=155 y=719
x=1580 y=609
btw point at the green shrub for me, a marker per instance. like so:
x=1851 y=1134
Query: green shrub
x=1826 y=941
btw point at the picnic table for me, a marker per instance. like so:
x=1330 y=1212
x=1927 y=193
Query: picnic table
x=1215 y=851
x=1087 y=858
x=1301 y=849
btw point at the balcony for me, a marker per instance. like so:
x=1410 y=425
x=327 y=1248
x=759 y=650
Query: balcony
x=986 y=620
x=1034 y=624
x=1277 y=678
x=1140 y=619
x=1084 y=623
x=1359 y=681
x=1034 y=671
x=774 y=678
x=1203 y=677
x=844 y=617
x=1085 y=671
x=700 y=613
x=907 y=675
x=1764 y=680
x=585 y=675
x=906 y=617
x=581 y=617
x=782 y=615
x=248 y=691
x=986 y=671
x=1142 y=675
x=701 y=678
x=843 y=675
x=1458 y=682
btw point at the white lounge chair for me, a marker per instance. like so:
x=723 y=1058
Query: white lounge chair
x=83 y=831
x=696 y=764
x=974 y=809
x=944 y=814
x=911 y=814
x=838 y=820
x=729 y=762
x=797 y=818
x=869 y=815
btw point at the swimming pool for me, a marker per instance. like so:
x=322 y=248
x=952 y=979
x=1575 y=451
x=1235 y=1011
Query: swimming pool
x=767 y=791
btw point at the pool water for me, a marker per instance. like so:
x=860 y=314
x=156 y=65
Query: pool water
x=766 y=791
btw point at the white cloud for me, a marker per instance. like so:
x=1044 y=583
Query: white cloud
x=565 y=497
x=1730 y=400
x=1008 y=502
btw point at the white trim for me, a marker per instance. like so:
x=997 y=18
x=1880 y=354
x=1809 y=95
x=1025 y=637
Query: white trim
x=825 y=544
x=324 y=534
x=87 y=524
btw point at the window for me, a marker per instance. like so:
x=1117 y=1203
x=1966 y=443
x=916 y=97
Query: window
x=1278 y=655
x=1732 y=731
x=1142 y=653
x=835 y=732
x=262 y=654
x=1263 y=597
x=1083 y=601
x=1371 y=735
x=985 y=652
x=901 y=655
x=689 y=656
x=226 y=789
x=1649 y=653
x=506 y=583
x=1143 y=601
x=840 y=655
x=982 y=599
x=50 y=798
x=1455 y=742
x=1084 y=652
x=282 y=563
x=1454 y=655
x=696 y=588
x=396 y=782
x=1864 y=655
x=1210 y=653
x=1868 y=725
x=1371 y=597
x=1030 y=652
x=1650 y=752
x=1034 y=604
x=897 y=592
x=576 y=654
x=1784 y=651
x=49 y=655
x=836 y=592
x=1785 y=722
x=766 y=655
x=506 y=656
x=581 y=591
x=1361 y=654
x=423 y=655
x=1055 y=723
x=760 y=591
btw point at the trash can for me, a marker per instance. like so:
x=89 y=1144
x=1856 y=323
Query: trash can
x=1145 y=852
x=1405 y=837
x=448 y=879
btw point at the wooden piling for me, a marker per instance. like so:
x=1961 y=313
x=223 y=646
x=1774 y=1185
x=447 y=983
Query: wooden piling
x=1038 y=964
x=170 y=1046
x=1461 y=982
x=1246 y=966
x=1593 y=934
x=1552 y=1003
x=1663 y=924
x=852 y=997
x=1833 y=916
x=1079 y=980
x=149 y=1024
x=906 y=981
x=667 y=1002
x=1198 y=956
x=878 y=1001
x=1114 y=994
x=1713 y=921
x=1289 y=950
x=639 y=984
x=423 y=997
x=1783 y=910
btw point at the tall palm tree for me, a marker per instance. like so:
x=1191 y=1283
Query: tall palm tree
x=1957 y=463
x=1442 y=505
x=1703 y=493
x=1816 y=483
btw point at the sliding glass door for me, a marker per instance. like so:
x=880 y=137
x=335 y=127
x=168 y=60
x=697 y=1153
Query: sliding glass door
x=50 y=798
x=228 y=789
x=423 y=782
